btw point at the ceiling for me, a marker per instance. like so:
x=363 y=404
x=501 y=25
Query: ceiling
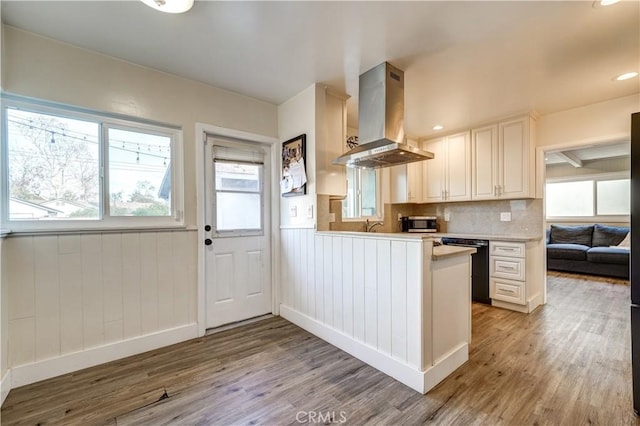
x=464 y=62
x=577 y=157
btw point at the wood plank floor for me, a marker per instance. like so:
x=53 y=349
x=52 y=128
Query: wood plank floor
x=568 y=363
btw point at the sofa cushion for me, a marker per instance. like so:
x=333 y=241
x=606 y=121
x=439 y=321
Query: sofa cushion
x=608 y=255
x=605 y=236
x=567 y=251
x=571 y=234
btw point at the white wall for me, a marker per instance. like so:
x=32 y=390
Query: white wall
x=46 y=69
x=295 y=117
x=5 y=380
x=81 y=299
x=604 y=121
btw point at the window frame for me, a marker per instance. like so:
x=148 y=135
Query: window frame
x=358 y=197
x=105 y=122
x=595 y=178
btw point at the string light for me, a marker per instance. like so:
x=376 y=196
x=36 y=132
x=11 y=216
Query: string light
x=83 y=138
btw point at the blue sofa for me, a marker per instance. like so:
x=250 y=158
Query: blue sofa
x=587 y=250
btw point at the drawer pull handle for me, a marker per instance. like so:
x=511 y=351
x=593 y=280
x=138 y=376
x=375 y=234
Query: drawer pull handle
x=507 y=291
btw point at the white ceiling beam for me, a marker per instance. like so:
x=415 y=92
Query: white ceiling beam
x=570 y=158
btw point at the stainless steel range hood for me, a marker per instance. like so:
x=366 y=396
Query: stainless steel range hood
x=381 y=122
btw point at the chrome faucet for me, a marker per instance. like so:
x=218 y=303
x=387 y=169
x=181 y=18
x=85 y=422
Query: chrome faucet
x=368 y=227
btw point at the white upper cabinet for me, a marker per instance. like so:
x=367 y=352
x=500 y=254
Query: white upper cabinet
x=406 y=181
x=448 y=176
x=331 y=137
x=502 y=160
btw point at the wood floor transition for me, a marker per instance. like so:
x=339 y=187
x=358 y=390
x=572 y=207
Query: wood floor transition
x=568 y=363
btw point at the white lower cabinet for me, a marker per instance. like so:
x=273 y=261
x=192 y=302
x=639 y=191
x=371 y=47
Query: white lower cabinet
x=507 y=272
x=508 y=290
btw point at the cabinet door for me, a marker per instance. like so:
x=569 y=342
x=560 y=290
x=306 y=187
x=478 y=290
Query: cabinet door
x=513 y=161
x=433 y=182
x=484 y=162
x=458 y=168
x=414 y=173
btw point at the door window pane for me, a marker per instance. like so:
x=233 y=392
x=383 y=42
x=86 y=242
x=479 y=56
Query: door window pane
x=569 y=199
x=238 y=196
x=613 y=197
x=139 y=173
x=53 y=166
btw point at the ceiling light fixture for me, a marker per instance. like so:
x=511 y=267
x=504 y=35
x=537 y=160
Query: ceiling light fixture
x=438 y=127
x=626 y=76
x=603 y=3
x=170 y=6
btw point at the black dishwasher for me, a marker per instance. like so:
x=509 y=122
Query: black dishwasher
x=479 y=266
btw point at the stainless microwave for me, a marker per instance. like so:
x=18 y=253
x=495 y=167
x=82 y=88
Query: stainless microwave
x=419 y=224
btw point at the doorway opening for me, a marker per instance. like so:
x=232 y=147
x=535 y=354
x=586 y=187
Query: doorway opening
x=586 y=199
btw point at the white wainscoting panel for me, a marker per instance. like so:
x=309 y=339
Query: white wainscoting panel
x=367 y=288
x=70 y=293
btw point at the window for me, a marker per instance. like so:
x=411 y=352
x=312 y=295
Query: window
x=238 y=176
x=362 y=194
x=588 y=197
x=66 y=168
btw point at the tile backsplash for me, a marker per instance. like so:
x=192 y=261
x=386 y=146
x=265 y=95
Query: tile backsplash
x=483 y=217
x=474 y=217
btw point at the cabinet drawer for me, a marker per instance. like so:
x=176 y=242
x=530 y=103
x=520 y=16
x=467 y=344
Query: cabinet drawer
x=507 y=291
x=506 y=249
x=507 y=267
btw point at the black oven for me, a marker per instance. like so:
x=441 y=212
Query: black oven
x=419 y=224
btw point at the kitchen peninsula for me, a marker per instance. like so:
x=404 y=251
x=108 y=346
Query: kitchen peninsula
x=392 y=300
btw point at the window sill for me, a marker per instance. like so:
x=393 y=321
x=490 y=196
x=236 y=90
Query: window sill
x=84 y=231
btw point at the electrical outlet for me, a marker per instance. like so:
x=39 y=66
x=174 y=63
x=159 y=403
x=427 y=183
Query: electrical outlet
x=293 y=211
x=505 y=217
x=332 y=217
x=310 y=211
x=399 y=217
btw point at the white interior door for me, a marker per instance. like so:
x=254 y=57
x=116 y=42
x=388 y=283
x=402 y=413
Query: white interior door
x=237 y=231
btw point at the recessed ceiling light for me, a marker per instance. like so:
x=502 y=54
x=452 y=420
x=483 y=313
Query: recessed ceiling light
x=170 y=6
x=438 y=127
x=608 y=2
x=626 y=76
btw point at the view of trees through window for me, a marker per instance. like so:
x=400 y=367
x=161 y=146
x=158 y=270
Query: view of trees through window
x=54 y=165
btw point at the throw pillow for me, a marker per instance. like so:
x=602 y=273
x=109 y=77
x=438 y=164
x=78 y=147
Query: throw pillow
x=626 y=242
x=571 y=234
x=605 y=236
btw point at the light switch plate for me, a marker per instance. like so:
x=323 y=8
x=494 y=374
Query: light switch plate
x=332 y=217
x=310 y=211
x=447 y=217
x=505 y=216
x=293 y=211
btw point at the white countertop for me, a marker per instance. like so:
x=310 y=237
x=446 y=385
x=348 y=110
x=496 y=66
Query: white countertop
x=421 y=236
x=379 y=235
x=490 y=237
x=442 y=252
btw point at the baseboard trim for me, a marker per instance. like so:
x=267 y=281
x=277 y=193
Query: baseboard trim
x=5 y=386
x=445 y=366
x=30 y=373
x=420 y=381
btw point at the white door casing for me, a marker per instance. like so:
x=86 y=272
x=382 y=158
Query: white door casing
x=237 y=263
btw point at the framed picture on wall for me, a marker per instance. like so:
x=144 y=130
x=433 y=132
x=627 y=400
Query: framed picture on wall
x=294 y=176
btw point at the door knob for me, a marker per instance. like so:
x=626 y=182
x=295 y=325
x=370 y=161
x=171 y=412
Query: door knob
x=207 y=228
x=208 y=242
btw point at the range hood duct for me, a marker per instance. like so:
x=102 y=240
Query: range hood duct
x=381 y=122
